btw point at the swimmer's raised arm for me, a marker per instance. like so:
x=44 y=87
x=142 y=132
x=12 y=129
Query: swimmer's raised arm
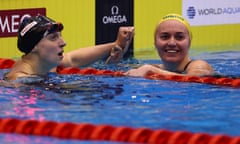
x=88 y=55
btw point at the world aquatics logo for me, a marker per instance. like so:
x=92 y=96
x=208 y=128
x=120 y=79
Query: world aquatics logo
x=191 y=12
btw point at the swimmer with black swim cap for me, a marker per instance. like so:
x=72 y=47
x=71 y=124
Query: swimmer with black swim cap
x=40 y=39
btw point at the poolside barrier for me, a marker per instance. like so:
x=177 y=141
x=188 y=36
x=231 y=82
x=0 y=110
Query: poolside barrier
x=223 y=81
x=91 y=132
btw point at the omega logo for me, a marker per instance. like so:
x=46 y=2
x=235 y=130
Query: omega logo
x=115 y=17
x=115 y=10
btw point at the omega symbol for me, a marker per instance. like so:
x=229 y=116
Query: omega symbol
x=114 y=10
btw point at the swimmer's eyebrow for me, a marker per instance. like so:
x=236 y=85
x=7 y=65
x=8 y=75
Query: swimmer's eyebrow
x=178 y=33
x=166 y=33
x=53 y=35
x=181 y=33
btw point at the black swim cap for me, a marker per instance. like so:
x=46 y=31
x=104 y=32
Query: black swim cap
x=33 y=29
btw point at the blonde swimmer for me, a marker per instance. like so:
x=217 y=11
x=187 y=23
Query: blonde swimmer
x=172 y=39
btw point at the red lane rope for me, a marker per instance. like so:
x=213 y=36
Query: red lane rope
x=85 y=131
x=232 y=82
x=6 y=63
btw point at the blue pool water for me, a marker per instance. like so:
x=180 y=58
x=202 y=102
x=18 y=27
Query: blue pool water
x=128 y=101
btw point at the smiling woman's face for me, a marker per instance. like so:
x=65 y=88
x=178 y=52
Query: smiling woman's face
x=172 y=41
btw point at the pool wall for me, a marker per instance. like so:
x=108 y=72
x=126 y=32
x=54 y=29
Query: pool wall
x=78 y=17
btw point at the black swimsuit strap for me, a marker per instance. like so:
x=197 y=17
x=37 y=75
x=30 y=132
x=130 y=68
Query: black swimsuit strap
x=186 y=66
x=184 y=69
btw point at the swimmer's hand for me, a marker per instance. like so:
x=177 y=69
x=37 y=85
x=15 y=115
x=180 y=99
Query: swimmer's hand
x=147 y=69
x=141 y=71
x=124 y=39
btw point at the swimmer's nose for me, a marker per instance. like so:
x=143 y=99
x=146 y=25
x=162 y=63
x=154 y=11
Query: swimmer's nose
x=62 y=42
x=172 y=41
x=63 y=45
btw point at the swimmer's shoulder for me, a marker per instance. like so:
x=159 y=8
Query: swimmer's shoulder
x=199 y=67
x=15 y=72
x=199 y=64
x=10 y=76
x=23 y=78
x=18 y=70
